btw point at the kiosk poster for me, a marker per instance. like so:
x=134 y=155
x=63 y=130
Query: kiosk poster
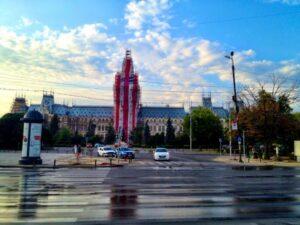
x=35 y=139
x=25 y=140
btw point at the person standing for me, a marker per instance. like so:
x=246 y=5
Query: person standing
x=75 y=150
x=78 y=151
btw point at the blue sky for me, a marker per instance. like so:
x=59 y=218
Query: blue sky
x=182 y=42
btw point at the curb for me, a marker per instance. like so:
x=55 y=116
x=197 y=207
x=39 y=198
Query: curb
x=59 y=166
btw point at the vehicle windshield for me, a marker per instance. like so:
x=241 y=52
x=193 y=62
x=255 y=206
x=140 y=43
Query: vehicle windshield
x=107 y=149
x=124 y=149
x=161 y=150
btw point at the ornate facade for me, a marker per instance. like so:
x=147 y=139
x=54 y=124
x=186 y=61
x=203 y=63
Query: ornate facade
x=126 y=112
x=19 y=105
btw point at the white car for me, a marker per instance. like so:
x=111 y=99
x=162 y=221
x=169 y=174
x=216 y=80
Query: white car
x=106 y=151
x=161 y=154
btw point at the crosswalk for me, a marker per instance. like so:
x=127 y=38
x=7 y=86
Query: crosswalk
x=151 y=163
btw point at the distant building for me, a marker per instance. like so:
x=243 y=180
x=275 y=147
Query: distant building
x=126 y=113
x=219 y=111
x=77 y=118
x=19 y=105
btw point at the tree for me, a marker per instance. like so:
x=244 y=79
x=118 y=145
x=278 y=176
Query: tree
x=63 y=137
x=297 y=115
x=157 y=140
x=96 y=139
x=11 y=131
x=54 y=125
x=77 y=139
x=267 y=118
x=206 y=127
x=136 y=136
x=91 y=129
x=110 y=136
x=146 y=136
x=47 y=138
x=170 y=133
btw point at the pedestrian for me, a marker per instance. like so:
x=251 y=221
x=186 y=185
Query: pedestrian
x=78 y=151
x=75 y=149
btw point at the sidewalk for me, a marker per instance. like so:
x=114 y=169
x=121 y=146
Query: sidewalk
x=11 y=159
x=233 y=160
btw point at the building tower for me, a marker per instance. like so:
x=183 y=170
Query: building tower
x=206 y=100
x=19 y=105
x=126 y=99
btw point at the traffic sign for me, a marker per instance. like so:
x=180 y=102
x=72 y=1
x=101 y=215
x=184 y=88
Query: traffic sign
x=239 y=139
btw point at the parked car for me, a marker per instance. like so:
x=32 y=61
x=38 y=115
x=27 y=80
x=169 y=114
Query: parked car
x=161 y=154
x=125 y=153
x=106 y=151
x=97 y=145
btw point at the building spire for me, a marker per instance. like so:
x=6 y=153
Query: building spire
x=128 y=53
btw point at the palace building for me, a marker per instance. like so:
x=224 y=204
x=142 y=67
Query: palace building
x=124 y=115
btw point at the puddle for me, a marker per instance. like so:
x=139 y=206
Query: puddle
x=253 y=168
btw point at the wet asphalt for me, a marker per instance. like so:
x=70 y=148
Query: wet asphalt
x=189 y=189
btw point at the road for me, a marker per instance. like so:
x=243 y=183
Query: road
x=189 y=189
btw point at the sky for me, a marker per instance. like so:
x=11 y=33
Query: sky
x=74 y=48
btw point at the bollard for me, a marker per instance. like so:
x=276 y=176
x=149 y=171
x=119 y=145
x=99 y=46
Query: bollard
x=95 y=162
x=54 y=164
x=130 y=160
x=110 y=161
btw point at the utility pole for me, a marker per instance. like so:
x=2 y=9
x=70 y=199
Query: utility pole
x=244 y=145
x=229 y=130
x=191 y=140
x=234 y=98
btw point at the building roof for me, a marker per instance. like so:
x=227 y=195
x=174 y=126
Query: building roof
x=162 y=112
x=220 y=112
x=83 y=111
x=107 y=111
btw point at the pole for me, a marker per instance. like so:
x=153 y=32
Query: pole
x=191 y=140
x=244 y=145
x=230 y=145
x=235 y=100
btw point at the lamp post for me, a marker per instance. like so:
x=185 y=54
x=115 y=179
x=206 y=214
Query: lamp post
x=234 y=97
x=191 y=139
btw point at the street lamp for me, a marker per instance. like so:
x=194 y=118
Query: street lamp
x=234 y=97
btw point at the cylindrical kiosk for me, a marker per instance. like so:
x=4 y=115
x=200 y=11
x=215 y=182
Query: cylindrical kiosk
x=32 y=131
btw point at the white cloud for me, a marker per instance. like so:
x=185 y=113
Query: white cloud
x=26 y=21
x=288 y=2
x=87 y=55
x=138 y=13
x=188 y=23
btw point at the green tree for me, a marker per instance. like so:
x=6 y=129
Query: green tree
x=268 y=120
x=206 y=127
x=146 y=135
x=91 y=129
x=54 y=125
x=77 y=139
x=170 y=133
x=297 y=115
x=47 y=138
x=63 y=137
x=110 y=136
x=136 y=135
x=96 y=139
x=11 y=131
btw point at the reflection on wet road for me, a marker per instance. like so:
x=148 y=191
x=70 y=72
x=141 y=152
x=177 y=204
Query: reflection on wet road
x=189 y=189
